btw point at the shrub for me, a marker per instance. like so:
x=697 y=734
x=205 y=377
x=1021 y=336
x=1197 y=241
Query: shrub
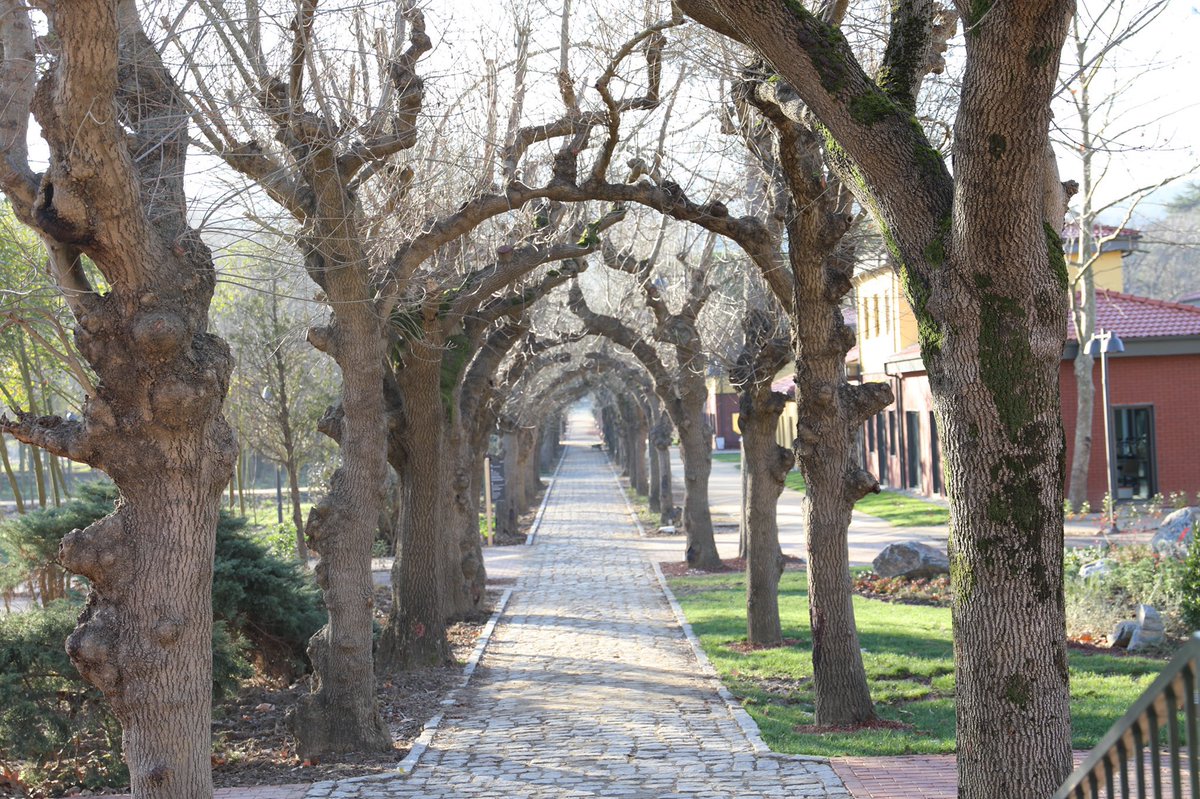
x=1138 y=575
x=29 y=543
x=266 y=600
x=56 y=725
x=269 y=601
x=1191 y=588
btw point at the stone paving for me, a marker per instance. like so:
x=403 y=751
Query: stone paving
x=588 y=687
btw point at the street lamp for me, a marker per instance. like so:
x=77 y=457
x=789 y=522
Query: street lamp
x=1102 y=343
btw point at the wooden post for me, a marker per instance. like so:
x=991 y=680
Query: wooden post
x=487 y=498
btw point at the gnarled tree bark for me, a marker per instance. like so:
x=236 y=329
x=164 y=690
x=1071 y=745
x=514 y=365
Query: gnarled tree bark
x=113 y=191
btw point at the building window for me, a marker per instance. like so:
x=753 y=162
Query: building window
x=891 y=424
x=887 y=315
x=870 y=435
x=875 y=312
x=865 y=322
x=1133 y=452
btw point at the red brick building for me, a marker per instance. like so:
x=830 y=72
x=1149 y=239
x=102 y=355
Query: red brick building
x=1154 y=407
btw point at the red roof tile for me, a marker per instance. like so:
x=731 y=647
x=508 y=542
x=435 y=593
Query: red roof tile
x=1130 y=316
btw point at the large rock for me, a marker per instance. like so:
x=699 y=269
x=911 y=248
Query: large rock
x=912 y=560
x=1150 y=630
x=1122 y=634
x=1175 y=533
x=1097 y=568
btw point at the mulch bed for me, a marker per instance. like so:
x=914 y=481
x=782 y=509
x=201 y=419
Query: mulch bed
x=253 y=745
x=745 y=646
x=935 y=591
x=877 y=724
x=681 y=568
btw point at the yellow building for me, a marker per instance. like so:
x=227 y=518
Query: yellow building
x=900 y=444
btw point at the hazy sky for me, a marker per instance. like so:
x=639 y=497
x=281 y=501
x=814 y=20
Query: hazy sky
x=1159 y=69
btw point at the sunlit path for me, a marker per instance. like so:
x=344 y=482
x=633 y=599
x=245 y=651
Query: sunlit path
x=588 y=687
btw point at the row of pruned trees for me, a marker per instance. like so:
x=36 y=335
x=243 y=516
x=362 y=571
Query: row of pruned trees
x=430 y=253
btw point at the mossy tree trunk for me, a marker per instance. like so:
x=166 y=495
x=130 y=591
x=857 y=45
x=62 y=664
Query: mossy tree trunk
x=991 y=329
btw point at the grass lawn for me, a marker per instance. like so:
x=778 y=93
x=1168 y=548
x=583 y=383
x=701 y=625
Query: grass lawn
x=910 y=664
x=893 y=507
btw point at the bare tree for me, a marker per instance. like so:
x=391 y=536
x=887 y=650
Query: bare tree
x=113 y=193
x=1100 y=133
x=991 y=328
x=280 y=384
x=681 y=387
x=766 y=465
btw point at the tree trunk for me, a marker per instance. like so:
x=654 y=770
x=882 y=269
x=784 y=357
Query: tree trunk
x=1083 y=307
x=638 y=455
x=744 y=518
x=654 y=477
x=531 y=478
x=415 y=634
x=661 y=443
x=12 y=478
x=1085 y=403
x=840 y=688
x=462 y=520
x=341 y=715
x=696 y=450
x=112 y=191
x=514 y=488
x=293 y=473
x=765 y=465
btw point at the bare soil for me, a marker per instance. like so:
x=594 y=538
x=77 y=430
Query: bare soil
x=681 y=568
x=252 y=745
x=876 y=724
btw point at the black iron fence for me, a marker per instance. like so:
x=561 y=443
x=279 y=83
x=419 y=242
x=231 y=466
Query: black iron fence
x=1152 y=751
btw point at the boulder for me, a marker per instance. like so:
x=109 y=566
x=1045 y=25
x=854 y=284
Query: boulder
x=1150 y=630
x=1175 y=533
x=1122 y=634
x=912 y=560
x=1097 y=568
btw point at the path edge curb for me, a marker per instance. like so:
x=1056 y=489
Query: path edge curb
x=531 y=536
x=641 y=528
x=744 y=720
x=319 y=790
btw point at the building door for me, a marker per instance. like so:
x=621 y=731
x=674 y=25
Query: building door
x=1133 y=452
x=912 y=447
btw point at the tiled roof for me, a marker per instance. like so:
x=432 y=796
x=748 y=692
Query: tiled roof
x=1130 y=316
x=1071 y=231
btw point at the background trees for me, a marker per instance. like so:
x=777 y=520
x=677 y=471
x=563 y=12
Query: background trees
x=113 y=193
x=997 y=326
x=1099 y=129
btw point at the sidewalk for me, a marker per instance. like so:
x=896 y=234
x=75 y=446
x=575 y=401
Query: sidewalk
x=868 y=535
x=588 y=686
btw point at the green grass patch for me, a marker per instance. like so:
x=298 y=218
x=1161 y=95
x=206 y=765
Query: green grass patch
x=909 y=658
x=902 y=510
x=899 y=510
x=641 y=507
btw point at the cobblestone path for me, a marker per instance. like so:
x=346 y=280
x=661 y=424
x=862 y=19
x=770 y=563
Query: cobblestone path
x=588 y=687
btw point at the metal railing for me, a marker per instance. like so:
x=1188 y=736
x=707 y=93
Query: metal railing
x=1129 y=760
